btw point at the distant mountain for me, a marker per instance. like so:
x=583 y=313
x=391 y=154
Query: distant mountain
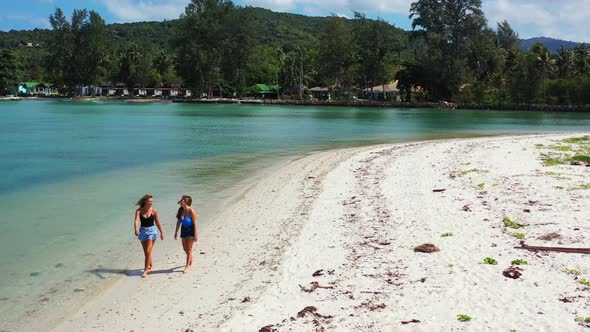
x=552 y=44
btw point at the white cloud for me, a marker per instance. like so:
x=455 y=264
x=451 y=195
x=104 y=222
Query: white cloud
x=145 y=10
x=40 y=22
x=276 y=5
x=35 y=22
x=565 y=19
x=324 y=8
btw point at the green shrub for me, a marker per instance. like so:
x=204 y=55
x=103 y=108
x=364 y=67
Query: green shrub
x=446 y=234
x=584 y=282
x=582 y=187
x=518 y=235
x=519 y=262
x=561 y=147
x=512 y=224
x=463 y=318
x=550 y=161
x=577 y=140
x=490 y=261
x=573 y=271
x=581 y=157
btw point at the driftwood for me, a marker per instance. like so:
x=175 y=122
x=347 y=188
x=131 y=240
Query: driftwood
x=557 y=249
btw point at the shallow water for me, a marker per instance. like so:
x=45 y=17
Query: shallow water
x=71 y=172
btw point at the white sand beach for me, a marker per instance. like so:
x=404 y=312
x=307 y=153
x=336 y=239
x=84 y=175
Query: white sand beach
x=348 y=221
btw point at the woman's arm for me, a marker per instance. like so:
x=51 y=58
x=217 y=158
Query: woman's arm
x=136 y=223
x=158 y=224
x=194 y=217
x=177 y=227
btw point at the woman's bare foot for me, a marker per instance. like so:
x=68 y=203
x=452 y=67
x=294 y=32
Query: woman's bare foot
x=144 y=274
x=186 y=268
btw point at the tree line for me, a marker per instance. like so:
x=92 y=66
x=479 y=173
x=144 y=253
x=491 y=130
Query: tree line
x=219 y=49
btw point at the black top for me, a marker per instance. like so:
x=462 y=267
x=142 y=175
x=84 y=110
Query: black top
x=146 y=222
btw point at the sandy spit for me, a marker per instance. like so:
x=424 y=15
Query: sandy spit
x=327 y=242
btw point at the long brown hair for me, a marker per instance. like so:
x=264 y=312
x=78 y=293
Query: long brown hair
x=143 y=200
x=188 y=201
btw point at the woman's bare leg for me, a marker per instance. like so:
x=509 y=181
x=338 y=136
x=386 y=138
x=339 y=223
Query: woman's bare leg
x=151 y=263
x=148 y=245
x=187 y=245
x=144 y=245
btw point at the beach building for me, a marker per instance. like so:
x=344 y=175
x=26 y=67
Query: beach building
x=36 y=89
x=382 y=92
x=265 y=91
x=91 y=90
x=320 y=93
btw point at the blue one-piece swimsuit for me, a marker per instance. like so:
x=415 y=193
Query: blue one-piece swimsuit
x=187 y=228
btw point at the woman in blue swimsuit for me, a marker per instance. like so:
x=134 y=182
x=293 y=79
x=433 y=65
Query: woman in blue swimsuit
x=145 y=230
x=186 y=220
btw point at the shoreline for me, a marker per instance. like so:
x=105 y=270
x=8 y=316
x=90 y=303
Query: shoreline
x=355 y=214
x=330 y=103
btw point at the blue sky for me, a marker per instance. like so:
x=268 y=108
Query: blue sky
x=564 y=19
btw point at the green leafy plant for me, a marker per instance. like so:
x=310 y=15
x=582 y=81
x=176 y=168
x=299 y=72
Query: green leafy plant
x=577 y=140
x=447 y=234
x=582 y=187
x=573 y=271
x=583 y=319
x=580 y=157
x=463 y=318
x=558 y=175
x=561 y=147
x=481 y=185
x=473 y=170
x=490 y=261
x=512 y=224
x=551 y=161
x=518 y=235
x=584 y=282
x=519 y=262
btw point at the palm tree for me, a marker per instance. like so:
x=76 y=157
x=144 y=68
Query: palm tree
x=581 y=59
x=543 y=61
x=564 y=62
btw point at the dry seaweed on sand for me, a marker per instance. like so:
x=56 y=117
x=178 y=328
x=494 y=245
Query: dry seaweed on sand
x=426 y=248
x=513 y=272
x=549 y=236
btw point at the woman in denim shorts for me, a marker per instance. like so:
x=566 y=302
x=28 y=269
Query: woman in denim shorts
x=146 y=220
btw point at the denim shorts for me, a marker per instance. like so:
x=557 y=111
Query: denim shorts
x=148 y=233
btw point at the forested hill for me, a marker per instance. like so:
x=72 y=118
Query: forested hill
x=271 y=28
x=552 y=44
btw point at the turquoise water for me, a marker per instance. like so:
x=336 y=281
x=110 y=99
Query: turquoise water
x=71 y=172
